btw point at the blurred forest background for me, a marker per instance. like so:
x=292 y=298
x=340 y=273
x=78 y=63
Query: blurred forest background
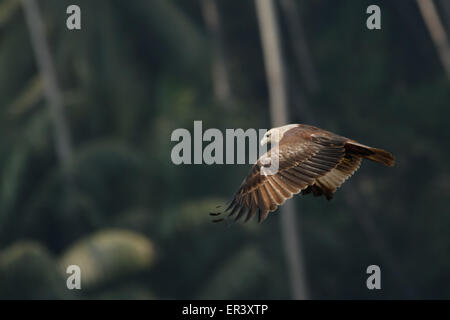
x=112 y=202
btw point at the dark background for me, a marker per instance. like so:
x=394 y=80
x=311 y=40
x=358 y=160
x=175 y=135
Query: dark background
x=138 y=225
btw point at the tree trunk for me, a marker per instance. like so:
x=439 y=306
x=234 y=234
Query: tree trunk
x=445 y=4
x=278 y=110
x=220 y=78
x=437 y=32
x=51 y=89
x=300 y=45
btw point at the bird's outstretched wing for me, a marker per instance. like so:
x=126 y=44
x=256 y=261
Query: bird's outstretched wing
x=316 y=163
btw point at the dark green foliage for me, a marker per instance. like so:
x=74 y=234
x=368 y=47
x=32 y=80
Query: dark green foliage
x=140 y=69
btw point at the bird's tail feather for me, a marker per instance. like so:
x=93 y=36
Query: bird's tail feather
x=374 y=154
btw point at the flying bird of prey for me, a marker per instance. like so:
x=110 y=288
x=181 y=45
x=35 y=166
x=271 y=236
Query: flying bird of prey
x=311 y=160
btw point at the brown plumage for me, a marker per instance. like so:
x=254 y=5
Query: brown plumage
x=311 y=160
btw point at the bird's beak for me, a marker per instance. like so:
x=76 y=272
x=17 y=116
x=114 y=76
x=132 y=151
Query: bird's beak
x=263 y=141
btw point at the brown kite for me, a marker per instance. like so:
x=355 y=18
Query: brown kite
x=310 y=160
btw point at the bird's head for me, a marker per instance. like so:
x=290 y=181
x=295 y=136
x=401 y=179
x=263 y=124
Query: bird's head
x=267 y=137
x=274 y=135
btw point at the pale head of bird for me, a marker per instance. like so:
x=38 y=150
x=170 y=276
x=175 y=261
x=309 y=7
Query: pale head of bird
x=274 y=135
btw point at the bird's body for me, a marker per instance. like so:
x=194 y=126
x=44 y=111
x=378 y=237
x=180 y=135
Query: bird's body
x=311 y=160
